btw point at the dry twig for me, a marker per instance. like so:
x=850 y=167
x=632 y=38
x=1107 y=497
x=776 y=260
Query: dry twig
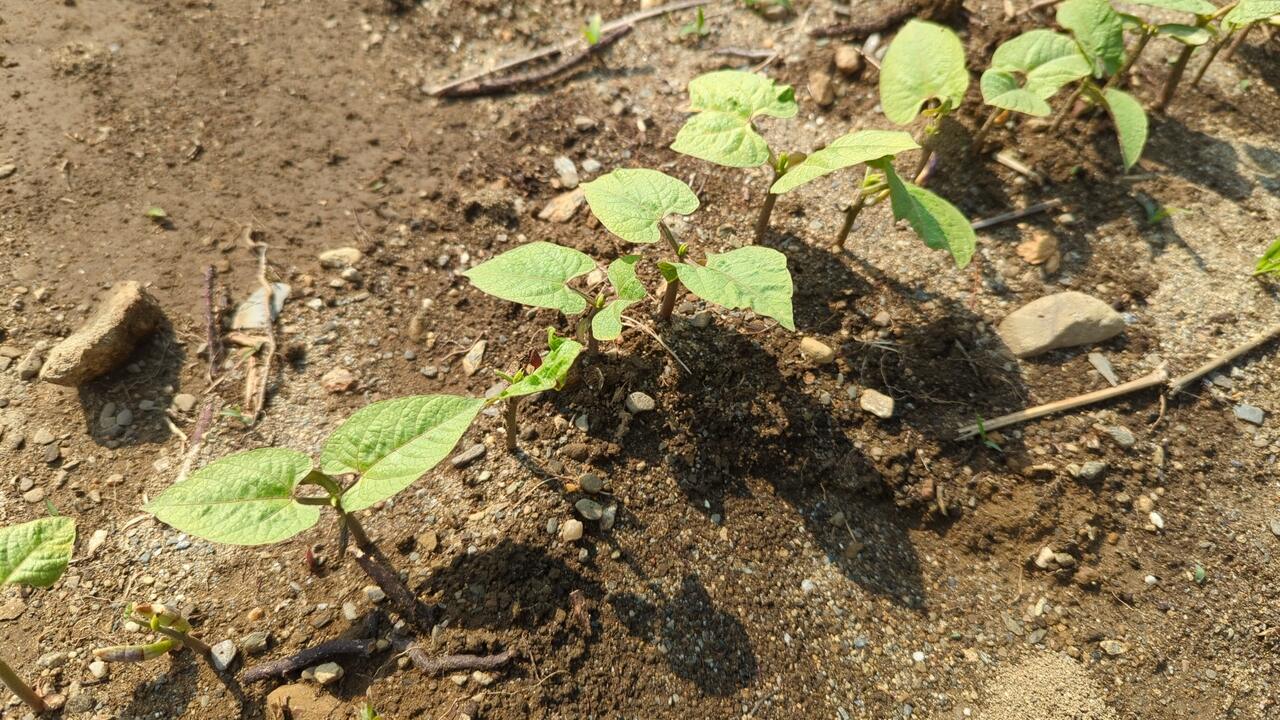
x=310 y=657
x=1180 y=383
x=533 y=77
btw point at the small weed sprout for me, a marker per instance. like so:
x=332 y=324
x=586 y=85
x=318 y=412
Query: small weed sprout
x=697 y=28
x=722 y=131
x=34 y=554
x=169 y=623
x=592 y=30
x=1269 y=264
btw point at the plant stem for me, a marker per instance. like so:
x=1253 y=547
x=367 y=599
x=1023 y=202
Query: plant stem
x=357 y=532
x=20 y=688
x=1066 y=109
x=850 y=214
x=762 y=220
x=673 y=285
x=990 y=122
x=1138 y=47
x=1175 y=76
x=512 y=422
x=197 y=645
x=1213 y=53
x=373 y=564
x=1235 y=44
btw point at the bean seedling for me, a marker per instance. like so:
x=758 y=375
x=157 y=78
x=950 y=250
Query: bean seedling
x=35 y=554
x=542 y=373
x=1205 y=14
x=1025 y=72
x=1238 y=21
x=923 y=72
x=1188 y=35
x=169 y=623
x=1269 y=263
x=723 y=131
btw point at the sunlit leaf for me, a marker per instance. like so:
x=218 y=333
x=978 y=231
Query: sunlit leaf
x=845 y=151
x=924 y=62
x=535 y=274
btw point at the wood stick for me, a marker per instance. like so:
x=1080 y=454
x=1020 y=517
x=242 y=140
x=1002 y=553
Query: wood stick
x=405 y=602
x=453 y=663
x=213 y=337
x=1016 y=214
x=514 y=82
x=1147 y=381
x=310 y=657
x=553 y=50
x=1181 y=382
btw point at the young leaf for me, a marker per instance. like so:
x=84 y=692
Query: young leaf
x=938 y=223
x=1130 y=121
x=726 y=101
x=1248 y=12
x=1043 y=59
x=1196 y=7
x=394 y=442
x=1269 y=263
x=845 y=151
x=1185 y=34
x=925 y=61
x=36 y=553
x=631 y=202
x=592 y=30
x=607 y=323
x=1099 y=30
x=241 y=499
x=551 y=373
x=535 y=274
x=752 y=277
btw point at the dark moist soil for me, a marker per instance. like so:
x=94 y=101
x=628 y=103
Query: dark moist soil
x=778 y=552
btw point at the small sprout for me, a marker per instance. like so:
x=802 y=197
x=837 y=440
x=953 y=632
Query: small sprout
x=547 y=373
x=982 y=435
x=168 y=622
x=592 y=30
x=157 y=214
x=697 y=28
x=1155 y=212
x=1198 y=574
x=368 y=713
x=1269 y=263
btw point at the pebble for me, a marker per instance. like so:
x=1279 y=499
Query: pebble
x=339 y=258
x=563 y=206
x=1112 y=647
x=325 y=674
x=589 y=509
x=1092 y=470
x=471 y=361
x=256 y=642
x=1046 y=559
x=583 y=123
x=808 y=586
x=374 y=594
x=1122 y=436
x=609 y=517
x=34 y=495
x=571 y=530
x=30 y=366
x=338 y=380
x=7 y=169
x=1145 y=504
x=223 y=654
x=566 y=171
x=1249 y=413
x=1156 y=519
x=848 y=60
x=591 y=483
x=98 y=669
x=1104 y=368
x=468 y=456
x=184 y=402
x=42 y=437
x=818 y=352
x=638 y=402
x=1274 y=526
x=821 y=88
x=876 y=403
x=591 y=165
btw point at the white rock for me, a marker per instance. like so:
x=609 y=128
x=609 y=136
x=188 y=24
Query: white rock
x=1045 y=560
x=223 y=654
x=638 y=402
x=876 y=403
x=571 y=531
x=339 y=258
x=326 y=674
x=1065 y=319
x=98 y=669
x=567 y=172
x=374 y=593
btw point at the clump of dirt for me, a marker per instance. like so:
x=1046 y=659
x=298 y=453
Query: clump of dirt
x=1045 y=686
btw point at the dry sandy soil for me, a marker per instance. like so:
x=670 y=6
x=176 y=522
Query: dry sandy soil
x=778 y=552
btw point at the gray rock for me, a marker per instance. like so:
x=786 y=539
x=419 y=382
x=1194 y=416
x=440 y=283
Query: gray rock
x=876 y=403
x=35 y=495
x=30 y=366
x=1104 y=368
x=184 y=402
x=223 y=654
x=589 y=509
x=609 y=517
x=1249 y=413
x=42 y=437
x=98 y=669
x=123 y=318
x=638 y=402
x=255 y=643
x=339 y=258
x=1113 y=647
x=566 y=171
x=591 y=483
x=468 y=456
x=1274 y=526
x=1121 y=434
x=1092 y=470
x=1065 y=319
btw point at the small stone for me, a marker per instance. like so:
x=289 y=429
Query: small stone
x=34 y=495
x=808 y=587
x=1156 y=519
x=98 y=669
x=882 y=319
x=54 y=659
x=374 y=594
x=1249 y=413
x=563 y=206
x=184 y=402
x=566 y=171
x=701 y=319
x=30 y=366
x=1274 y=526
x=1092 y=470
x=582 y=123
x=7 y=169
x=589 y=509
x=1113 y=647
x=571 y=531
x=350 y=611
x=42 y=437
x=1144 y=504
x=339 y=258
x=338 y=380
x=1121 y=435
x=591 y=483
x=608 y=518
x=255 y=643
x=327 y=673
x=471 y=361
x=591 y=166
x=125 y=418
x=51 y=453
x=1062 y=320
x=818 y=352
x=12 y=609
x=223 y=654
x=482 y=678
x=1040 y=249
x=123 y=318
x=638 y=402
x=876 y=403
x=1103 y=366
x=821 y=89
x=848 y=60
x=468 y=456
x=1046 y=559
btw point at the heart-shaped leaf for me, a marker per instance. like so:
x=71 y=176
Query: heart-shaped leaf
x=535 y=274
x=938 y=223
x=845 y=151
x=722 y=138
x=1003 y=90
x=607 y=323
x=1185 y=34
x=36 y=553
x=241 y=499
x=752 y=277
x=1131 y=124
x=925 y=61
x=631 y=202
x=1247 y=12
x=1099 y=30
x=391 y=443
x=551 y=373
x=726 y=101
x=1027 y=70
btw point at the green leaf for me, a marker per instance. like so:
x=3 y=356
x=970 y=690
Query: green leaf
x=535 y=274
x=631 y=202
x=745 y=94
x=1185 y=34
x=752 y=277
x=938 y=223
x=1248 y=12
x=1043 y=59
x=1196 y=7
x=394 y=442
x=551 y=373
x=721 y=138
x=607 y=323
x=925 y=61
x=843 y=152
x=1099 y=30
x=36 y=553
x=1130 y=121
x=1269 y=263
x=241 y=499
x=591 y=30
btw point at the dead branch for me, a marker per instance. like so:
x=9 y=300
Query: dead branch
x=405 y=602
x=310 y=657
x=1016 y=214
x=197 y=438
x=746 y=53
x=256 y=378
x=865 y=28
x=452 y=663
x=1148 y=381
x=533 y=77
x=1181 y=382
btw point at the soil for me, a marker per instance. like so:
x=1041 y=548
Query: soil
x=778 y=552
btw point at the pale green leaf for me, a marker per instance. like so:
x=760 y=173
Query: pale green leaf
x=551 y=373
x=1001 y=89
x=1248 y=12
x=390 y=444
x=241 y=499
x=752 y=277
x=607 y=323
x=1099 y=30
x=722 y=138
x=631 y=202
x=845 y=151
x=741 y=93
x=1269 y=263
x=1197 y=7
x=1185 y=34
x=36 y=553
x=535 y=274
x=938 y=223
x=1044 y=61
x=1130 y=121
x=925 y=61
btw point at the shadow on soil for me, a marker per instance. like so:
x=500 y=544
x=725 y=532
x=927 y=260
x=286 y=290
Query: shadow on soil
x=152 y=372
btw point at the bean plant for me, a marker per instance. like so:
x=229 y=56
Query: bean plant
x=174 y=628
x=541 y=373
x=1190 y=36
x=923 y=73
x=35 y=554
x=1026 y=72
x=722 y=131
x=1236 y=24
